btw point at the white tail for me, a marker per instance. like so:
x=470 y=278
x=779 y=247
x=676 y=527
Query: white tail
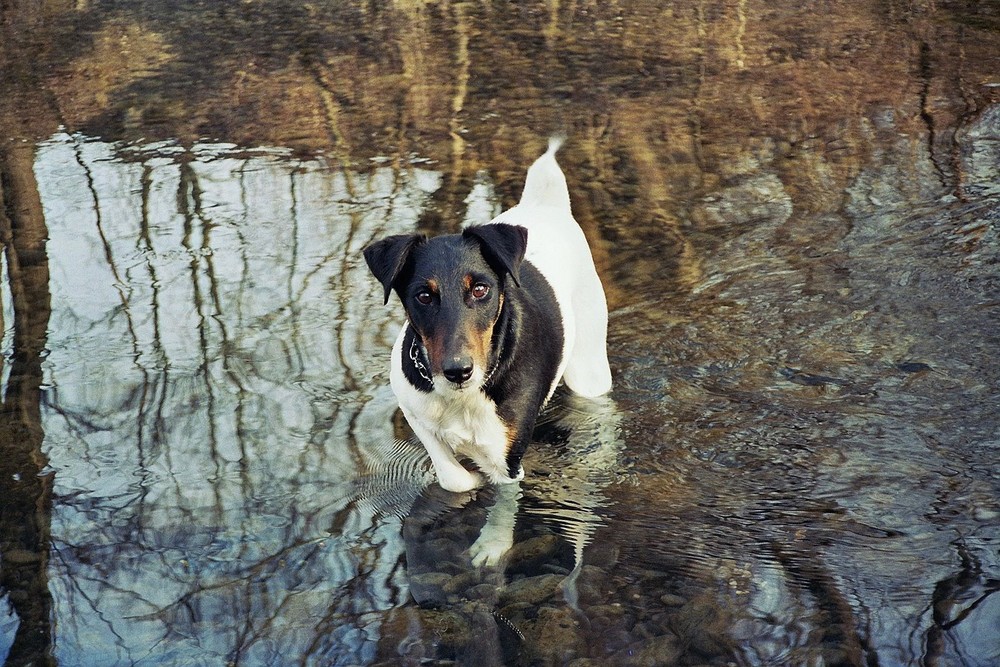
x=545 y=184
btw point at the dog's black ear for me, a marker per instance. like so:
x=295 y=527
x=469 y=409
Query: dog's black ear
x=386 y=258
x=502 y=246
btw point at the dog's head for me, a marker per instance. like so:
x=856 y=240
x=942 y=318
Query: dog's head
x=452 y=288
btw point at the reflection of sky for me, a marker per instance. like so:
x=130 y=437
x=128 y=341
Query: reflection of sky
x=217 y=414
x=8 y=625
x=7 y=330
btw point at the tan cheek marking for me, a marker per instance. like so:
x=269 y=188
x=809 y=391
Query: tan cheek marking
x=484 y=341
x=435 y=352
x=484 y=349
x=479 y=341
x=488 y=340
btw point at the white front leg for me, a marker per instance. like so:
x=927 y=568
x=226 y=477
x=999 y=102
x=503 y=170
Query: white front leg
x=452 y=475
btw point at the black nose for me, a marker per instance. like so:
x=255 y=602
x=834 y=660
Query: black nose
x=459 y=371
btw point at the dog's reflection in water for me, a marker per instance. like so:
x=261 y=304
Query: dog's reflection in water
x=464 y=546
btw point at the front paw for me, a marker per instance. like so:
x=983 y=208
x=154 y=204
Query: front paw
x=460 y=480
x=499 y=476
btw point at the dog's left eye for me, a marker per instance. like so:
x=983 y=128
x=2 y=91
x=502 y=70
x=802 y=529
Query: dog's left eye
x=479 y=291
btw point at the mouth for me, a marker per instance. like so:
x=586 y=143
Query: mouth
x=456 y=386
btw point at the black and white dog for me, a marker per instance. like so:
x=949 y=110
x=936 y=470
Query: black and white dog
x=497 y=316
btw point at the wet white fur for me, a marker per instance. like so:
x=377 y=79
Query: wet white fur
x=456 y=423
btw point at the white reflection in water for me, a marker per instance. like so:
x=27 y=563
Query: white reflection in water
x=217 y=419
x=6 y=326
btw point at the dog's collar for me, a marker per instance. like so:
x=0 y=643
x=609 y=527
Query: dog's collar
x=496 y=364
x=417 y=356
x=489 y=375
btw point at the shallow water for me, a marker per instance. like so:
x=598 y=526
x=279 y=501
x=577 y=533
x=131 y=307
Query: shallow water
x=795 y=214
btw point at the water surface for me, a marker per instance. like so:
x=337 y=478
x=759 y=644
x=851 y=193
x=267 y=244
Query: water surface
x=795 y=214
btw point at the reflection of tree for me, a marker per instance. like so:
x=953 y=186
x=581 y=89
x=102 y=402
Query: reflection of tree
x=954 y=606
x=25 y=480
x=25 y=484
x=215 y=337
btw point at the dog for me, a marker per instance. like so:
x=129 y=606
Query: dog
x=497 y=316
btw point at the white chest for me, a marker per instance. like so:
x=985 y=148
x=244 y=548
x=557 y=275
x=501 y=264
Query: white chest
x=466 y=421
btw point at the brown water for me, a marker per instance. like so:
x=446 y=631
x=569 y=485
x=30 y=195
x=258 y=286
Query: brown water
x=795 y=212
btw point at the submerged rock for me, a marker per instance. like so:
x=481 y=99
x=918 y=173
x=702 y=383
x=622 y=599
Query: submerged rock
x=530 y=555
x=468 y=635
x=555 y=637
x=655 y=652
x=531 y=590
x=703 y=625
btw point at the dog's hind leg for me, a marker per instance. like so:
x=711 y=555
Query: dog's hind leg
x=587 y=371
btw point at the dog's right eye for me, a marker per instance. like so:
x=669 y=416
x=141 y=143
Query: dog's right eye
x=424 y=298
